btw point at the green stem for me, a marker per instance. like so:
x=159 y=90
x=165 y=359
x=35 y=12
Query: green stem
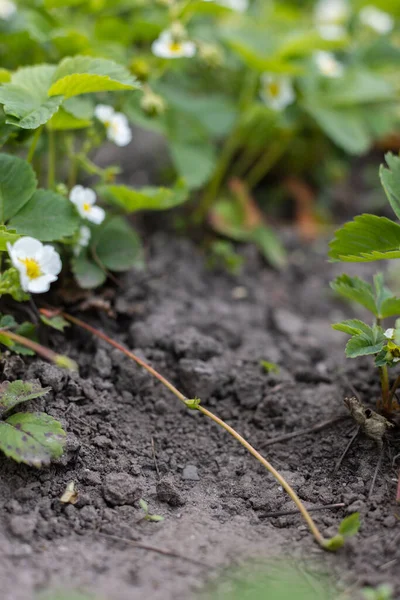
x=197 y=406
x=231 y=145
x=384 y=375
x=267 y=161
x=73 y=162
x=46 y=353
x=51 y=165
x=34 y=142
x=393 y=389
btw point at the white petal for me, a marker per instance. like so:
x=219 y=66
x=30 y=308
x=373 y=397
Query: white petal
x=77 y=193
x=331 y=32
x=40 y=284
x=389 y=333
x=104 y=113
x=189 y=49
x=89 y=196
x=49 y=261
x=377 y=19
x=7 y=9
x=332 y=11
x=119 y=131
x=96 y=215
x=26 y=247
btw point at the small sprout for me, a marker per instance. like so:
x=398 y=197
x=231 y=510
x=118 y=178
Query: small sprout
x=382 y=592
x=350 y=525
x=56 y=322
x=70 y=495
x=66 y=363
x=147 y=516
x=269 y=367
x=193 y=404
x=347 y=528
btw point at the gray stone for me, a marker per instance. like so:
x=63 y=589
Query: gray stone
x=23 y=526
x=167 y=492
x=190 y=473
x=287 y=322
x=122 y=488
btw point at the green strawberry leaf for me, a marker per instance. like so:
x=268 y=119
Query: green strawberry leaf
x=353 y=327
x=17 y=184
x=15 y=392
x=84 y=74
x=87 y=273
x=116 y=245
x=354 y=288
x=47 y=216
x=390 y=179
x=32 y=438
x=147 y=198
x=367 y=238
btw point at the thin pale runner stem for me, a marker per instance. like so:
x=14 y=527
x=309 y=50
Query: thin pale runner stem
x=304 y=512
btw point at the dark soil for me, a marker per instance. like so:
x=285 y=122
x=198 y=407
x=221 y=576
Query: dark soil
x=129 y=438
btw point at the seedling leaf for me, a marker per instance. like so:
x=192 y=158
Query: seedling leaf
x=56 y=322
x=269 y=367
x=350 y=525
x=334 y=543
x=143 y=505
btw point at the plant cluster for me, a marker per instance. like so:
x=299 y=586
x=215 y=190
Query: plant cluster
x=369 y=238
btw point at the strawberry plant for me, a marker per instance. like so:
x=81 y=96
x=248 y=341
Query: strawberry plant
x=370 y=238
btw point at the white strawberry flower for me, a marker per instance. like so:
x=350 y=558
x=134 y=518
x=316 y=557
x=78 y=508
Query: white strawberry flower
x=377 y=19
x=238 y=5
x=116 y=124
x=83 y=240
x=166 y=46
x=38 y=265
x=7 y=9
x=277 y=91
x=328 y=65
x=330 y=17
x=85 y=202
x=389 y=333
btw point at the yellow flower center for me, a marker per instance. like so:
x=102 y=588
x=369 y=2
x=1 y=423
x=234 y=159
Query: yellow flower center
x=273 y=89
x=86 y=207
x=175 y=46
x=33 y=269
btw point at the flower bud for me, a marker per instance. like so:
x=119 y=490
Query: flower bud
x=152 y=104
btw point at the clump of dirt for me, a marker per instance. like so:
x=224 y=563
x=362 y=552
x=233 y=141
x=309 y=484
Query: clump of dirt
x=128 y=438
